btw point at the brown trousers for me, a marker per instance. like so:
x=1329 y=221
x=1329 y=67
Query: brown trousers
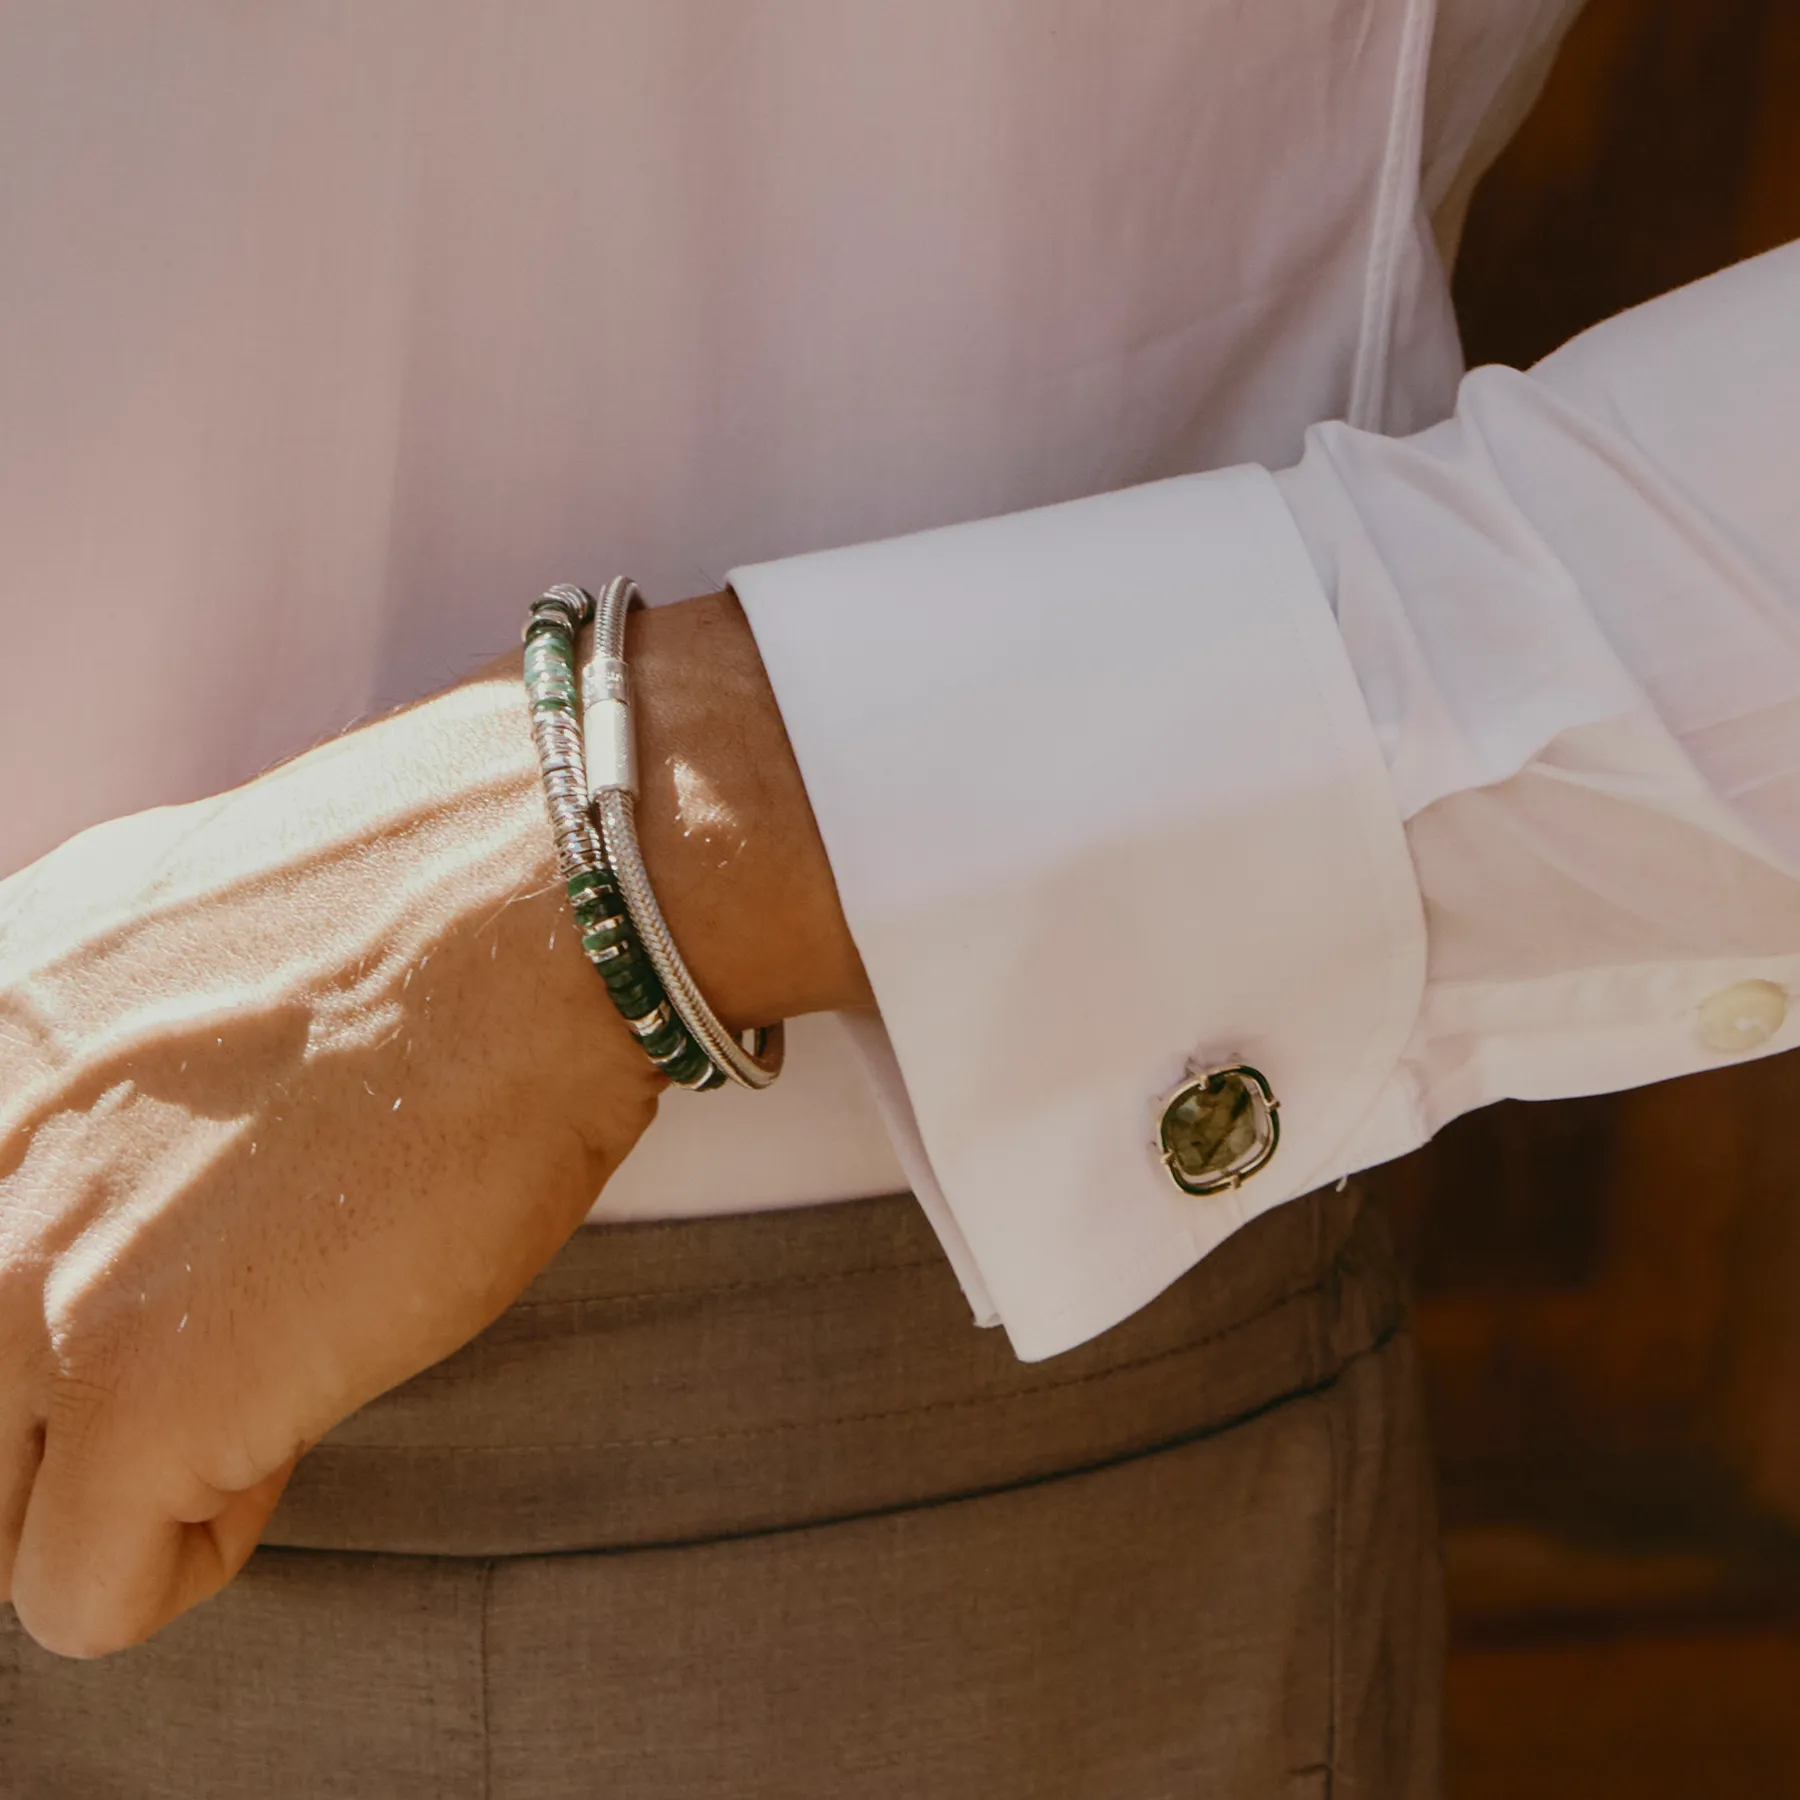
x=748 y=1508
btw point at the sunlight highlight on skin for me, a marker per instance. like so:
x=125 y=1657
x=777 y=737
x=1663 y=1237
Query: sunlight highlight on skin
x=179 y=1152
x=700 y=807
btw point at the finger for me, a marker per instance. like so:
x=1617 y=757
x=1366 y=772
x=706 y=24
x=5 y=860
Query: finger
x=213 y=1550
x=84 y=1587
x=104 y=1562
x=21 y=1452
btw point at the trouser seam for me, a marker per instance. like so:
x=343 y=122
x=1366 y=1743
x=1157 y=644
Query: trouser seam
x=488 y=1566
x=1335 y=1669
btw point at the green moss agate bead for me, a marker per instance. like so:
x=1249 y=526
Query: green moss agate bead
x=627 y=969
x=635 y=994
x=608 y=934
x=639 y=1001
x=635 y=999
x=595 y=910
x=688 y=1066
x=665 y=1044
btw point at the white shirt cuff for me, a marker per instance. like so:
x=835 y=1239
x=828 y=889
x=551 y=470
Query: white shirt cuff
x=1101 y=796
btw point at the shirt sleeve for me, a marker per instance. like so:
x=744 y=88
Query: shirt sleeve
x=1574 y=614
x=1432 y=770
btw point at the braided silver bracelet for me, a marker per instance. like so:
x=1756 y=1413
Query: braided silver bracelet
x=586 y=754
x=612 y=791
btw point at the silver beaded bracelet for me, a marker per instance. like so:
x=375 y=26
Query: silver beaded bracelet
x=612 y=798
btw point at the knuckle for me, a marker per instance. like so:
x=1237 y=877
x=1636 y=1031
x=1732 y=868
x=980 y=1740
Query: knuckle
x=91 y=1327
x=87 y=1376
x=23 y=1343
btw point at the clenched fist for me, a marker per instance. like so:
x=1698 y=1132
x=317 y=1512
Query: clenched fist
x=295 y=1096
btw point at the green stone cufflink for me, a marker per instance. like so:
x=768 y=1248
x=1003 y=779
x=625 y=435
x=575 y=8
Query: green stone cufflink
x=1218 y=1127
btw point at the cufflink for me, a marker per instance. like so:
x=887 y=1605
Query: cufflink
x=1217 y=1128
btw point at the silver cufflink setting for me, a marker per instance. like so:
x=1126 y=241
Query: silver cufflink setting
x=1218 y=1127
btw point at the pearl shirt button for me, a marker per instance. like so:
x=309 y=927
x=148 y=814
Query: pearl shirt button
x=1743 y=1016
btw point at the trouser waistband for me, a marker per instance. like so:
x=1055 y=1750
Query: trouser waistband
x=704 y=1378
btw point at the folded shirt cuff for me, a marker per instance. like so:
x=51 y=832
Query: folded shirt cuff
x=1102 y=798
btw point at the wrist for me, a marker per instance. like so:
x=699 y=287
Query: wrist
x=729 y=838
x=449 y=907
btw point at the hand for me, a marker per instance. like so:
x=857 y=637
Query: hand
x=301 y=1085
x=298 y=1087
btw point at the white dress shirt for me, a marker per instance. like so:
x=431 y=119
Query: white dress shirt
x=1431 y=769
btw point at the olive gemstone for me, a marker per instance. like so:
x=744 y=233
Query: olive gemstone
x=1218 y=1128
